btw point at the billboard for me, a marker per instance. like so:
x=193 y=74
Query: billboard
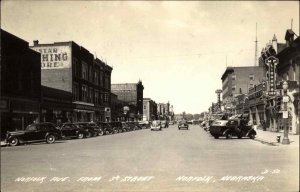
x=54 y=56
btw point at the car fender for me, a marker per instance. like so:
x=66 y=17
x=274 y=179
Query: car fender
x=250 y=132
x=19 y=136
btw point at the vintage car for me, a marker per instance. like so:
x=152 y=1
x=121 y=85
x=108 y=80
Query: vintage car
x=71 y=130
x=106 y=127
x=90 y=129
x=156 y=125
x=171 y=122
x=35 y=132
x=232 y=127
x=125 y=127
x=117 y=126
x=144 y=124
x=183 y=124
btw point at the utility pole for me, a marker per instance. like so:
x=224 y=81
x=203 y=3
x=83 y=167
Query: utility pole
x=255 y=59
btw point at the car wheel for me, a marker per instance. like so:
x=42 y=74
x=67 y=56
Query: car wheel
x=106 y=132
x=100 y=133
x=251 y=136
x=14 y=142
x=80 y=135
x=228 y=135
x=95 y=134
x=50 y=139
x=88 y=134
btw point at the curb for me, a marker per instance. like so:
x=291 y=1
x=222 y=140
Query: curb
x=267 y=142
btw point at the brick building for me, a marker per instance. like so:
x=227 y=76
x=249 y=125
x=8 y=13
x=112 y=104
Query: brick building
x=20 y=83
x=132 y=93
x=69 y=67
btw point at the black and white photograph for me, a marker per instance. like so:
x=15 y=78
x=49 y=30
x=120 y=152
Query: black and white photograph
x=149 y=96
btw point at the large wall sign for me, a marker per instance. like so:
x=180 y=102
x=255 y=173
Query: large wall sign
x=271 y=62
x=54 y=57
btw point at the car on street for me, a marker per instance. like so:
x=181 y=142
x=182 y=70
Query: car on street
x=183 y=124
x=34 y=132
x=90 y=130
x=156 y=125
x=117 y=126
x=71 y=130
x=171 y=123
x=232 y=128
x=106 y=127
x=144 y=124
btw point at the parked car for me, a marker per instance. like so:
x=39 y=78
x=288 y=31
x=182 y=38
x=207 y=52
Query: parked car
x=71 y=130
x=125 y=127
x=156 y=125
x=106 y=127
x=90 y=130
x=183 y=124
x=117 y=126
x=99 y=130
x=35 y=132
x=133 y=125
x=144 y=124
x=231 y=128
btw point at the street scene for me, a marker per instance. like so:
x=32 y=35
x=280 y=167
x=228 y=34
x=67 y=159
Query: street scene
x=193 y=96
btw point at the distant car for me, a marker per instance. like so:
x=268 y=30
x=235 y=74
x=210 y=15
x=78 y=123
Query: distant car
x=35 y=132
x=171 y=123
x=183 y=124
x=71 y=130
x=144 y=124
x=106 y=127
x=156 y=125
x=91 y=131
x=125 y=127
x=117 y=126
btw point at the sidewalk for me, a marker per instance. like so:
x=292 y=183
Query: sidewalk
x=269 y=137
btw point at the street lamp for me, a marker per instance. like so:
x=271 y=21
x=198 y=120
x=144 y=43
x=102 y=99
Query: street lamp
x=285 y=139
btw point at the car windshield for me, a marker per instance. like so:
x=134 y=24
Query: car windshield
x=155 y=123
x=183 y=121
x=31 y=128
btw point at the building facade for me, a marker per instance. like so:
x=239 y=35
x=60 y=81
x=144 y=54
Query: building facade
x=149 y=110
x=131 y=93
x=69 y=67
x=20 y=83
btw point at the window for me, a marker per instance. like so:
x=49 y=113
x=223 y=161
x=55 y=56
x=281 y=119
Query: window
x=75 y=67
x=233 y=88
x=84 y=71
x=101 y=78
x=96 y=77
x=91 y=75
x=233 y=77
x=251 y=77
x=84 y=93
x=145 y=107
x=96 y=97
x=91 y=95
x=75 y=92
x=106 y=98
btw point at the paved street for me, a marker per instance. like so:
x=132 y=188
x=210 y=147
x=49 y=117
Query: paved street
x=167 y=160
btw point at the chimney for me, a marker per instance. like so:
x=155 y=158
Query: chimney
x=274 y=43
x=35 y=42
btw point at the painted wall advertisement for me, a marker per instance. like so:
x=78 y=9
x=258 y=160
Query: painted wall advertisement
x=54 y=57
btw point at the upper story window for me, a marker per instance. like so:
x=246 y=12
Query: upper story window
x=75 y=67
x=251 y=77
x=233 y=77
x=106 y=97
x=233 y=88
x=96 y=77
x=84 y=93
x=75 y=92
x=91 y=75
x=96 y=97
x=84 y=71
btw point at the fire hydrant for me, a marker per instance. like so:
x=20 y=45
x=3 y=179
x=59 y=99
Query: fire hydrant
x=278 y=138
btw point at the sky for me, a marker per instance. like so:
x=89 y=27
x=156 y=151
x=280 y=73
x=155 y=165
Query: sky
x=178 y=49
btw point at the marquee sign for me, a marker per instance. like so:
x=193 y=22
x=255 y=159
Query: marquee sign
x=54 y=57
x=271 y=62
